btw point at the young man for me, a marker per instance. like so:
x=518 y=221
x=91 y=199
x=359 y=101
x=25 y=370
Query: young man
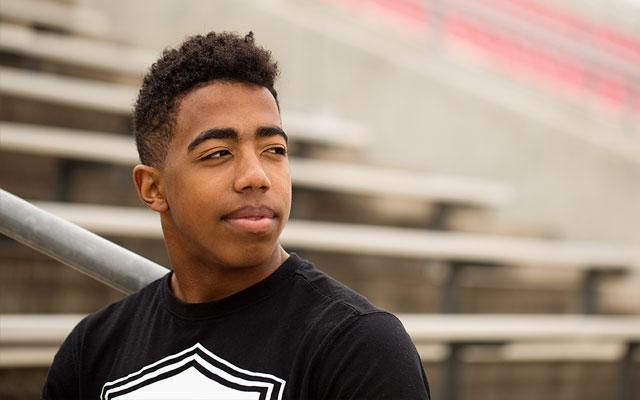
x=238 y=317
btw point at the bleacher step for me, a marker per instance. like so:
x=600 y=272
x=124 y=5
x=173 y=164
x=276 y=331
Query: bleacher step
x=119 y=99
x=32 y=339
x=381 y=241
x=60 y=16
x=326 y=175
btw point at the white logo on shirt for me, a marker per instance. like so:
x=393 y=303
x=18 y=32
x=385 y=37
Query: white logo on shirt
x=194 y=373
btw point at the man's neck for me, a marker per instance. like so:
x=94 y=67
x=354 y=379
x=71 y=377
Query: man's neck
x=198 y=283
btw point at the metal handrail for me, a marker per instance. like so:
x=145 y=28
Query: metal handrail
x=78 y=248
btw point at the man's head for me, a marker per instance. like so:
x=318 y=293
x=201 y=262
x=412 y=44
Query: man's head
x=198 y=61
x=213 y=152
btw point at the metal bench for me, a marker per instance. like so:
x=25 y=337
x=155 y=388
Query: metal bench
x=75 y=50
x=549 y=337
x=58 y=16
x=31 y=340
x=457 y=249
x=119 y=99
x=309 y=173
x=104 y=261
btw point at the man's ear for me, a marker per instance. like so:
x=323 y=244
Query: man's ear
x=148 y=181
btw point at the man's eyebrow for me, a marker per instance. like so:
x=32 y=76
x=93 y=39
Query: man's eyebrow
x=268 y=131
x=214 y=133
x=230 y=133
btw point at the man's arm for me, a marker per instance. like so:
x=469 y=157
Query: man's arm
x=372 y=358
x=62 y=379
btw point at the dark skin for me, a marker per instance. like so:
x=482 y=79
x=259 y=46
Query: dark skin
x=223 y=192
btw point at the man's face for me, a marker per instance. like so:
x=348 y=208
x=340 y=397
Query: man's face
x=226 y=178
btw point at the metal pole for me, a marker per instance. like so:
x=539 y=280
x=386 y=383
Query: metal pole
x=452 y=372
x=588 y=293
x=626 y=386
x=75 y=246
x=449 y=292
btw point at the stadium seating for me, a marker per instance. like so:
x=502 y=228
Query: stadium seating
x=68 y=89
x=547 y=45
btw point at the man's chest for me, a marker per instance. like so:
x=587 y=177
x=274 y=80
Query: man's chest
x=195 y=372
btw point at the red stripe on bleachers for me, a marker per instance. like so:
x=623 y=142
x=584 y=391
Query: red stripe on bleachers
x=519 y=54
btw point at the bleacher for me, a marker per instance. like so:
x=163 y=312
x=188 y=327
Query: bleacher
x=548 y=46
x=67 y=89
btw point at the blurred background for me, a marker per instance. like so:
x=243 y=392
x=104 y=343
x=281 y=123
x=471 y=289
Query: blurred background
x=473 y=166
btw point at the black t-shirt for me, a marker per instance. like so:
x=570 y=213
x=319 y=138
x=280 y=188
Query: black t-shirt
x=298 y=334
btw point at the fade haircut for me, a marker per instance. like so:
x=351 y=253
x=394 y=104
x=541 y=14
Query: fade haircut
x=200 y=59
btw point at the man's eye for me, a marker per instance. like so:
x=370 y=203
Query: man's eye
x=216 y=154
x=278 y=150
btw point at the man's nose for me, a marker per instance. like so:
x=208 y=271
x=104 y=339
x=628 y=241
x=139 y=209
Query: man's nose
x=250 y=175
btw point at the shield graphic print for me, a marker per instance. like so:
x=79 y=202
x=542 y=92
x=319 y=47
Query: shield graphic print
x=194 y=373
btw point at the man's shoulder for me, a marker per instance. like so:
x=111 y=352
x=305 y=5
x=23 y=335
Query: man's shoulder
x=360 y=346
x=334 y=304
x=327 y=291
x=338 y=312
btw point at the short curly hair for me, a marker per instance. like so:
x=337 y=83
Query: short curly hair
x=200 y=59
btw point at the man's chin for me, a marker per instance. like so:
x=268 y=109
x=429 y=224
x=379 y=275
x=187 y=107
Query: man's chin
x=252 y=256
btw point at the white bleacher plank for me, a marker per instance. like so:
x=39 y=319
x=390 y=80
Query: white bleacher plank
x=75 y=144
x=584 y=351
x=42 y=356
x=29 y=339
x=325 y=129
x=119 y=99
x=75 y=92
x=416 y=243
x=108 y=220
x=27 y=357
x=54 y=14
x=318 y=174
x=75 y=50
x=36 y=328
x=490 y=328
x=379 y=241
x=432 y=352
x=365 y=179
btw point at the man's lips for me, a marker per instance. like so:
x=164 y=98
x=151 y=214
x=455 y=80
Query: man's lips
x=251 y=219
x=251 y=212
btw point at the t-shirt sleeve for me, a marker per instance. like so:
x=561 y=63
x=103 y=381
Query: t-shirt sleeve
x=372 y=357
x=62 y=379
